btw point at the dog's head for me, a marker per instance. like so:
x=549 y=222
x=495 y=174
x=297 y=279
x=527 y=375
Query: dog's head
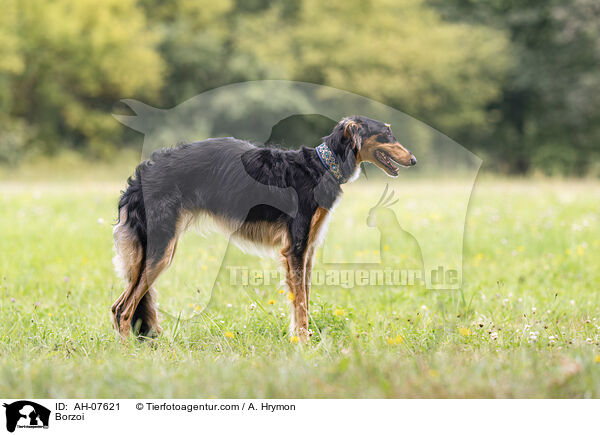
x=359 y=139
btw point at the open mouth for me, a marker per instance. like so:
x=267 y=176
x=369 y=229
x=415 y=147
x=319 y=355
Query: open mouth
x=387 y=161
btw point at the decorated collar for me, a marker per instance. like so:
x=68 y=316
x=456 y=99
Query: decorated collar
x=330 y=162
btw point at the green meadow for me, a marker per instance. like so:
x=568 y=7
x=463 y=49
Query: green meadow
x=526 y=322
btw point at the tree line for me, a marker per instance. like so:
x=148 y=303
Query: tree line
x=514 y=81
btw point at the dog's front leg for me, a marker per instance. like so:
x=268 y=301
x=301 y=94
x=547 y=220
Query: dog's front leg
x=307 y=274
x=295 y=279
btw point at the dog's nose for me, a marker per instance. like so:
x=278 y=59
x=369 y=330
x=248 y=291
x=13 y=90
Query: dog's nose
x=413 y=160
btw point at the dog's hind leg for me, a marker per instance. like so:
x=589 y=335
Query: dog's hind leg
x=136 y=308
x=145 y=320
x=128 y=261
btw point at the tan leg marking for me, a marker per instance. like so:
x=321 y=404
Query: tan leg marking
x=298 y=273
x=316 y=225
x=132 y=298
x=295 y=282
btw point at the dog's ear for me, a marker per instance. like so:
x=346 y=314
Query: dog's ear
x=352 y=132
x=345 y=131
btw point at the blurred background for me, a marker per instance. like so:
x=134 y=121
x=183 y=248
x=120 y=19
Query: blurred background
x=515 y=82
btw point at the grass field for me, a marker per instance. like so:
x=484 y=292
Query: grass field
x=526 y=323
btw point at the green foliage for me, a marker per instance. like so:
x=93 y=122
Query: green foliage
x=68 y=62
x=399 y=53
x=547 y=116
x=515 y=81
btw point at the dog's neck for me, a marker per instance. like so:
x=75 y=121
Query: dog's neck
x=331 y=162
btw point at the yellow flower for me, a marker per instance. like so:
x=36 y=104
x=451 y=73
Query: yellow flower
x=433 y=373
x=49 y=314
x=228 y=334
x=386 y=247
x=465 y=332
x=271 y=301
x=294 y=339
x=521 y=248
x=282 y=291
x=597 y=359
x=395 y=340
x=339 y=312
x=291 y=296
x=197 y=308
